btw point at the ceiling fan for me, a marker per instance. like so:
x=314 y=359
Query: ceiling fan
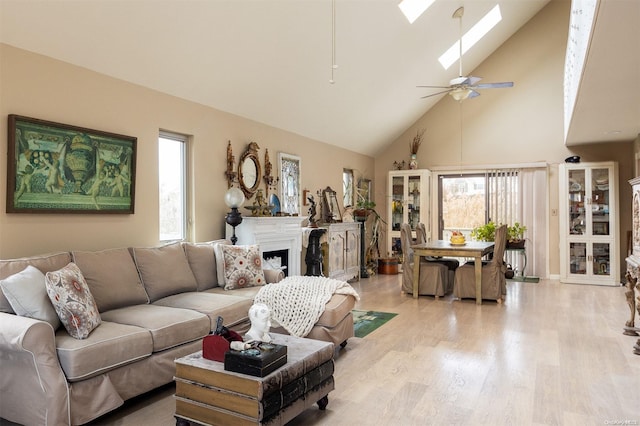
x=464 y=87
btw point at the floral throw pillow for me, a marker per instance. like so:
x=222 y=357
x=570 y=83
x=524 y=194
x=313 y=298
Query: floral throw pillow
x=72 y=300
x=242 y=266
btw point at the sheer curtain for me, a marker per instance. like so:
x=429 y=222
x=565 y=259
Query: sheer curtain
x=519 y=195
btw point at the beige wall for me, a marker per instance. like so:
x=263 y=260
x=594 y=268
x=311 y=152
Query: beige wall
x=40 y=87
x=522 y=124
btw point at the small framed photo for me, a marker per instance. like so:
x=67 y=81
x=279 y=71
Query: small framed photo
x=59 y=168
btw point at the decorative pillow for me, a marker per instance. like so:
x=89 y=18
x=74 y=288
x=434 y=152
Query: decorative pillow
x=242 y=266
x=164 y=270
x=203 y=263
x=112 y=278
x=70 y=295
x=27 y=294
x=217 y=251
x=44 y=263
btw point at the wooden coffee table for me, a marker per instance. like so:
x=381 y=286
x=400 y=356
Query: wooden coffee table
x=208 y=394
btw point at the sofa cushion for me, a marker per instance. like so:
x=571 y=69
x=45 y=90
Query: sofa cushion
x=168 y=326
x=242 y=266
x=164 y=270
x=28 y=297
x=45 y=263
x=202 y=260
x=112 y=277
x=232 y=308
x=109 y=346
x=72 y=300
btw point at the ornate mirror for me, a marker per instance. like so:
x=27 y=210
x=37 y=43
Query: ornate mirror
x=330 y=207
x=249 y=170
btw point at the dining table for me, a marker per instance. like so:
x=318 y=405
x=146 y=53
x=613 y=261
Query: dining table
x=439 y=248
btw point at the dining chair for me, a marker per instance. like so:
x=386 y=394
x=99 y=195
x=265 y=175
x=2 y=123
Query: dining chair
x=451 y=263
x=494 y=283
x=433 y=276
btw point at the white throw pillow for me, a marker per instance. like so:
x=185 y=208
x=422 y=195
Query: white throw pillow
x=217 y=251
x=27 y=295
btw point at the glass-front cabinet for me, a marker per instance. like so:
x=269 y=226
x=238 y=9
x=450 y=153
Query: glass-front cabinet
x=408 y=202
x=589 y=229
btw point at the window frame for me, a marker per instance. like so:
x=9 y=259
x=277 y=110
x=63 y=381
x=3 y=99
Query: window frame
x=184 y=184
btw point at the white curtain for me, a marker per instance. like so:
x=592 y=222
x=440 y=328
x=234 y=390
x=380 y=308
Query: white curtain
x=519 y=195
x=534 y=215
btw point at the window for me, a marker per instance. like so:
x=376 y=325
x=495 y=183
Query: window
x=470 y=200
x=172 y=178
x=511 y=194
x=462 y=203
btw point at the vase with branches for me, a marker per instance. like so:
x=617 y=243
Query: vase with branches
x=414 y=146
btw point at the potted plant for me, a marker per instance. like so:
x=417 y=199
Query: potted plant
x=515 y=236
x=364 y=204
x=363 y=208
x=486 y=232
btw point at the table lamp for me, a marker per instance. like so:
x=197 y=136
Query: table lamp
x=234 y=199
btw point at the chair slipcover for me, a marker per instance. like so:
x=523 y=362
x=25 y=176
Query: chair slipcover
x=433 y=276
x=451 y=263
x=494 y=283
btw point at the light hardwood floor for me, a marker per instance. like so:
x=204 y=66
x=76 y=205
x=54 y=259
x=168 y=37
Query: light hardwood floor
x=552 y=354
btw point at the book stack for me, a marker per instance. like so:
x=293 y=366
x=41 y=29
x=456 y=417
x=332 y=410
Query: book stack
x=208 y=393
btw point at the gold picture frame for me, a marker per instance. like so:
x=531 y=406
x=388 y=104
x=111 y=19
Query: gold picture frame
x=60 y=168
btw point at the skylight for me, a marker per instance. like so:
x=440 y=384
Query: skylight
x=412 y=9
x=580 y=26
x=479 y=30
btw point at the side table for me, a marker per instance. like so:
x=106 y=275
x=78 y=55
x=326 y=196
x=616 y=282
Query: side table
x=523 y=252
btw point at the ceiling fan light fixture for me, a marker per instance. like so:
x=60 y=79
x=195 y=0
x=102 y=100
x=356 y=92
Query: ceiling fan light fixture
x=460 y=93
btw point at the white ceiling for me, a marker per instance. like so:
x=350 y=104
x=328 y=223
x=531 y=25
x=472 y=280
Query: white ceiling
x=270 y=60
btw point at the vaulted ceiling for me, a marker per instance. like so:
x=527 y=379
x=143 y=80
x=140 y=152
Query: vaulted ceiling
x=271 y=60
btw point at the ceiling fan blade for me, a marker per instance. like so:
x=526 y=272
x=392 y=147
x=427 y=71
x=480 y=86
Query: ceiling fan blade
x=436 y=94
x=459 y=80
x=435 y=87
x=494 y=85
x=473 y=94
x=471 y=80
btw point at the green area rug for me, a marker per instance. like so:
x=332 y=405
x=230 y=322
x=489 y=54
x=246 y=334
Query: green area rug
x=364 y=322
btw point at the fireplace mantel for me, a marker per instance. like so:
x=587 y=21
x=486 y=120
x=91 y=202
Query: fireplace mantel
x=273 y=234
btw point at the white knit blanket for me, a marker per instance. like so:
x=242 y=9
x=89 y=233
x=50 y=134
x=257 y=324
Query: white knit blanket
x=296 y=303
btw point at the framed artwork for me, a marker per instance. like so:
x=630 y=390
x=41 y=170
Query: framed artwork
x=347 y=188
x=330 y=207
x=290 y=172
x=58 y=168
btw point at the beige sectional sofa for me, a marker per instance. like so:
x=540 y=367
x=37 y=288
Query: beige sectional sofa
x=155 y=305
